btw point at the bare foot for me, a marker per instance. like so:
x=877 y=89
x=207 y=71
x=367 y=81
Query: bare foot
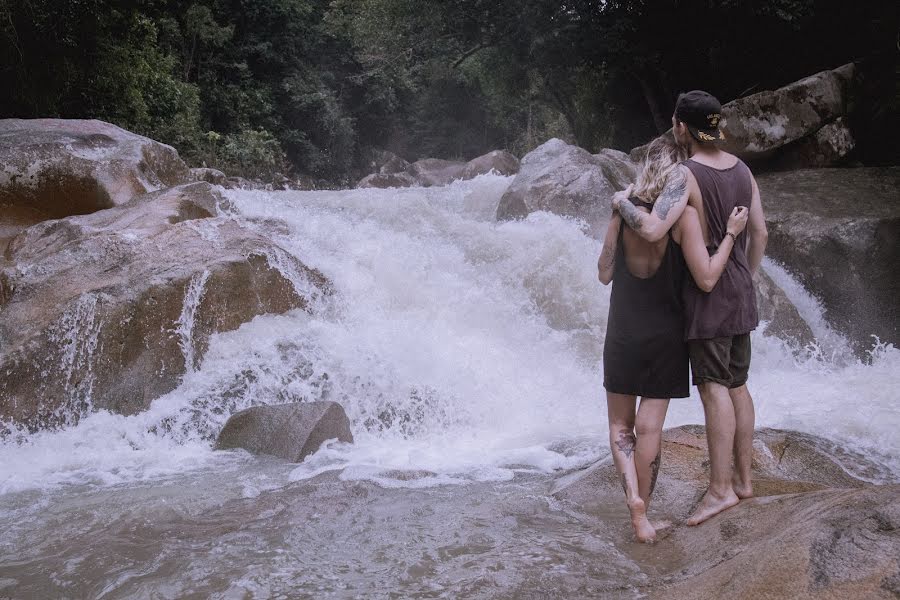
x=741 y=489
x=712 y=505
x=642 y=527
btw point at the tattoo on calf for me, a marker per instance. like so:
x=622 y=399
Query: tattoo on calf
x=624 y=484
x=654 y=471
x=626 y=442
x=671 y=194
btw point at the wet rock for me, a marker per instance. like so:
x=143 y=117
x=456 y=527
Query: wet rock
x=52 y=168
x=387 y=163
x=784 y=462
x=566 y=180
x=838 y=232
x=386 y=180
x=827 y=147
x=213 y=176
x=784 y=321
x=288 y=431
x=497 y=161
x=435 y=171
x=241 y=183
x=109 y=310
x=834 y=543
x=757 y=125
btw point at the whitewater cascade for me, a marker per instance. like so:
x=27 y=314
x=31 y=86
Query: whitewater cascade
x=459 y=347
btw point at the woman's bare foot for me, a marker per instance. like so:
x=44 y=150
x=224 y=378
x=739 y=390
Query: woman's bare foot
x=642 y=527
x=742 y=489
x=711 y=505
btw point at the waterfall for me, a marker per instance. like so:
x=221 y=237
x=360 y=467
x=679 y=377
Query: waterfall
x=457 y=345
x=184 y=326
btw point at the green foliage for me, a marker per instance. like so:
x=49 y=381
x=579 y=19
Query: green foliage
x=259 y=87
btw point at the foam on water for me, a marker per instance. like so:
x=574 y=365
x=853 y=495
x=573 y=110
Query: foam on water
x=461 y=349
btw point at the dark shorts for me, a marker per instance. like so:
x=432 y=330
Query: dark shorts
x=724 y=360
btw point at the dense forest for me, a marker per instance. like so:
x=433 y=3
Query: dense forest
x=256 y=87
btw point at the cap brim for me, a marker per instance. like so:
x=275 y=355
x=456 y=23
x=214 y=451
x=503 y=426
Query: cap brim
x=706 y=135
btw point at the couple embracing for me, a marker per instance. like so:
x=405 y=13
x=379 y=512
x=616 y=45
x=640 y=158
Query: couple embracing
x=682 y=266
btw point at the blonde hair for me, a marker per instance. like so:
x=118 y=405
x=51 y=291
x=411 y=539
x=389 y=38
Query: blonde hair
x=663 y=156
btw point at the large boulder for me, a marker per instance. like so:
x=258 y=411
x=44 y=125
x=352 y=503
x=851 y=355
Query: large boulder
x=213 y=176
x=828 y=544
x=53 y=168
x=288 y=431
x=827 y=147
x=784 y=462
x=566 y=180
x=757 y=125
x=817 y=527
x=429 y=172
x=497 y=161
x=387 y=180
x=109 y=310
x=838 y=232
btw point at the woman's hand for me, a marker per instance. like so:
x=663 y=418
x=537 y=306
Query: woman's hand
x=738 y=220
x=621 y=196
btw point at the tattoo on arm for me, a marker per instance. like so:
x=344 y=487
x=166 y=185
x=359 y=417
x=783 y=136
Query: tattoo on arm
x=631 y=215
x=626 y=442
x=654 y=471
x=671 y=194
x=607 y=256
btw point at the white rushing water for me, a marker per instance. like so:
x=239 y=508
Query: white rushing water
x=457 y=345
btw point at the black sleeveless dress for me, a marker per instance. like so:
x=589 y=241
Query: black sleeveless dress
x=644 y=353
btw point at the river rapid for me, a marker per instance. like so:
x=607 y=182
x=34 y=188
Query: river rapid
x=467 y=355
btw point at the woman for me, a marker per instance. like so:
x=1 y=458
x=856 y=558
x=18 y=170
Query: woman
x=644 y=353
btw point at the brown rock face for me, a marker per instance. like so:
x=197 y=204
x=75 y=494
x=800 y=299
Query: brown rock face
x=817 y=528
x=435 y=171
x=566 y=180
x=52 y=168
x=386 y=180
x=758 y=124
x=827 y=147
x=838 y=232
x=288 y=431
x=498 y=161
x=109 y=310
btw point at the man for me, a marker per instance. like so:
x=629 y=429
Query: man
x=718 y=323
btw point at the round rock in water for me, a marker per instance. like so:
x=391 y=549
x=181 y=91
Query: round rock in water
x=288 y=431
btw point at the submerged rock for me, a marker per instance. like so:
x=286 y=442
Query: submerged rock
x=109 y=310
x=838 y=232
x=288 y=431
x=566 y=180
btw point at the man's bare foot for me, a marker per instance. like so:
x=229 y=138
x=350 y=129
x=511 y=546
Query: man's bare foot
x=642 y=527
x=742 y=489
x=711 y=505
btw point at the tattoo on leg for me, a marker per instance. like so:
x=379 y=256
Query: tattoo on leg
x=654 y=471
x=624 y=485
x=626 y=442
x=672 y=193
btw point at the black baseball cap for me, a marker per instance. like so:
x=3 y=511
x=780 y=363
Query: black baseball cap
x=701 y=112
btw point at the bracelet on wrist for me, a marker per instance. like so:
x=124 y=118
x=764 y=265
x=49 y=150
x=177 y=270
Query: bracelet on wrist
x=733 y=237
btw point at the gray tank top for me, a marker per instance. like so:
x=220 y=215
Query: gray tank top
x=730 y=308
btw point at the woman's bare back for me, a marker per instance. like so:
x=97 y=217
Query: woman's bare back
x=642 y=257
